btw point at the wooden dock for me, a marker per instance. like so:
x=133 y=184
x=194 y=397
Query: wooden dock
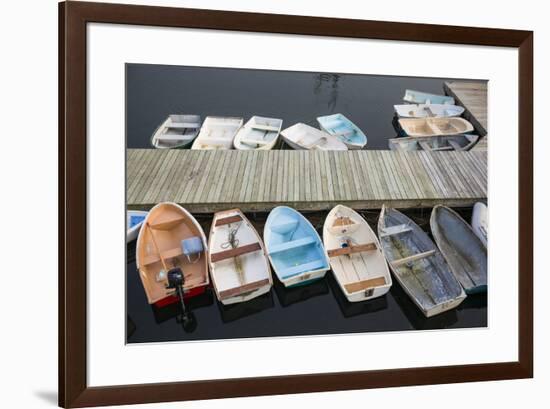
x=473 y=97
x=206 y=181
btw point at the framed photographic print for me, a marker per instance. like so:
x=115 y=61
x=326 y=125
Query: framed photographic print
x=256 y=204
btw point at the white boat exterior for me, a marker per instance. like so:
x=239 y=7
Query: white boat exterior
x=245 y=276
x=419 y=97
x=218 y=133
x=361 y=275
x=259 y=133
x=176 y=131
x=480 y=222
x=428 y=110
x=133 y=231
x=301 y=136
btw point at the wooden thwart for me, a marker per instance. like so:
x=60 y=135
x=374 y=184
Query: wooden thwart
x=414 y=257
x=167 y=223
x=232 y=292
x=237 y=251
x=228 y=220
x=365 y=284
x=352 y=249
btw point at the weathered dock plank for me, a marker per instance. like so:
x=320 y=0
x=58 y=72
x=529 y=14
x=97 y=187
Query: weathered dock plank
x=472 y=95
x=208 y=181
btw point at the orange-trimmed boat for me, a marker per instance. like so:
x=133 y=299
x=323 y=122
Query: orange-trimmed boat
x=171 y=240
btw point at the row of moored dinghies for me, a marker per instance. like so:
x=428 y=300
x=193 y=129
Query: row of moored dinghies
x=259 y=133
x=175 y=260
x=432 y=122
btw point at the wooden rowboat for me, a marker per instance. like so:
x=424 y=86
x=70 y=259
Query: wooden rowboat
x=238 y=262
x=134 y=221
x=177 y=131
x=171 y=238
x=302 y=136
x=345 y=130
x=465 y=253
x=217 y=133
x=417 y=264
x=419 y=97
x=422 y=127
x=434 y=143
x=294 y=247
x=355 y=255
x=428 y=110
x=258 y=133
x=480 y=222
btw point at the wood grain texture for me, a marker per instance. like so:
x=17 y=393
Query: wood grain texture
x=300 y=179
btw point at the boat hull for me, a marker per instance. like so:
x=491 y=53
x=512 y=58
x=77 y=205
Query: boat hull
x=417 y=264
x=464 y=252
x=480 y=222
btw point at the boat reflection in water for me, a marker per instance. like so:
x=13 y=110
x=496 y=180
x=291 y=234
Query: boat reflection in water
x=174 y=311
x=353 y=309
x=234 y=312
x=292 y=295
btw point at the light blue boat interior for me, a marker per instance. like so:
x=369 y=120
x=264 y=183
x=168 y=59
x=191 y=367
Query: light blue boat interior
x=293 y=244
x=420 y=97
x=340 y=126
x=136 y=219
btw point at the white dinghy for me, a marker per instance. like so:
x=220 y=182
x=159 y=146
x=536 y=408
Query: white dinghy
x=238 y=262
x=480 y=221
x=217 y=133
x=355 y=255
x=419 y=97
x=258 y=133
x=428 y=110
x=177 y=131
x=302 y=136
x=134 y=221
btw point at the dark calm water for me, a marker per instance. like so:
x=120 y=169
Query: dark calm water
x=153 y=92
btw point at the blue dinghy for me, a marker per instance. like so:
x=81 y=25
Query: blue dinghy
x=345 y=130
x=418 y=97
x=294 y=247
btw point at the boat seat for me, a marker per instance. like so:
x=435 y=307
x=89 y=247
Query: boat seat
x=346 y=133
x=173 y=137
x=228 y=220
x=456 y=146
x=414 y=257
x=302 y=268
x=284 y=225
x=289 y=245
x=180 y=125
x=265 y=128
x=365 y=284
x=397 y=229
x=255 y=142
x=166 y=254
x=243 y=289
x=358 y=248
x=238 y=251
x=208 y=140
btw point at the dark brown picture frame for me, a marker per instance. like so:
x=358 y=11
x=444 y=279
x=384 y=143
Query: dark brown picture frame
x=73 y=388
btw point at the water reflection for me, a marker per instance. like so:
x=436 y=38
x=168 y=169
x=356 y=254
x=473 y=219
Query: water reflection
x=326 y=84
x=174 y=311
x=353 y=309
x=234 y=312
x=294 y=295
